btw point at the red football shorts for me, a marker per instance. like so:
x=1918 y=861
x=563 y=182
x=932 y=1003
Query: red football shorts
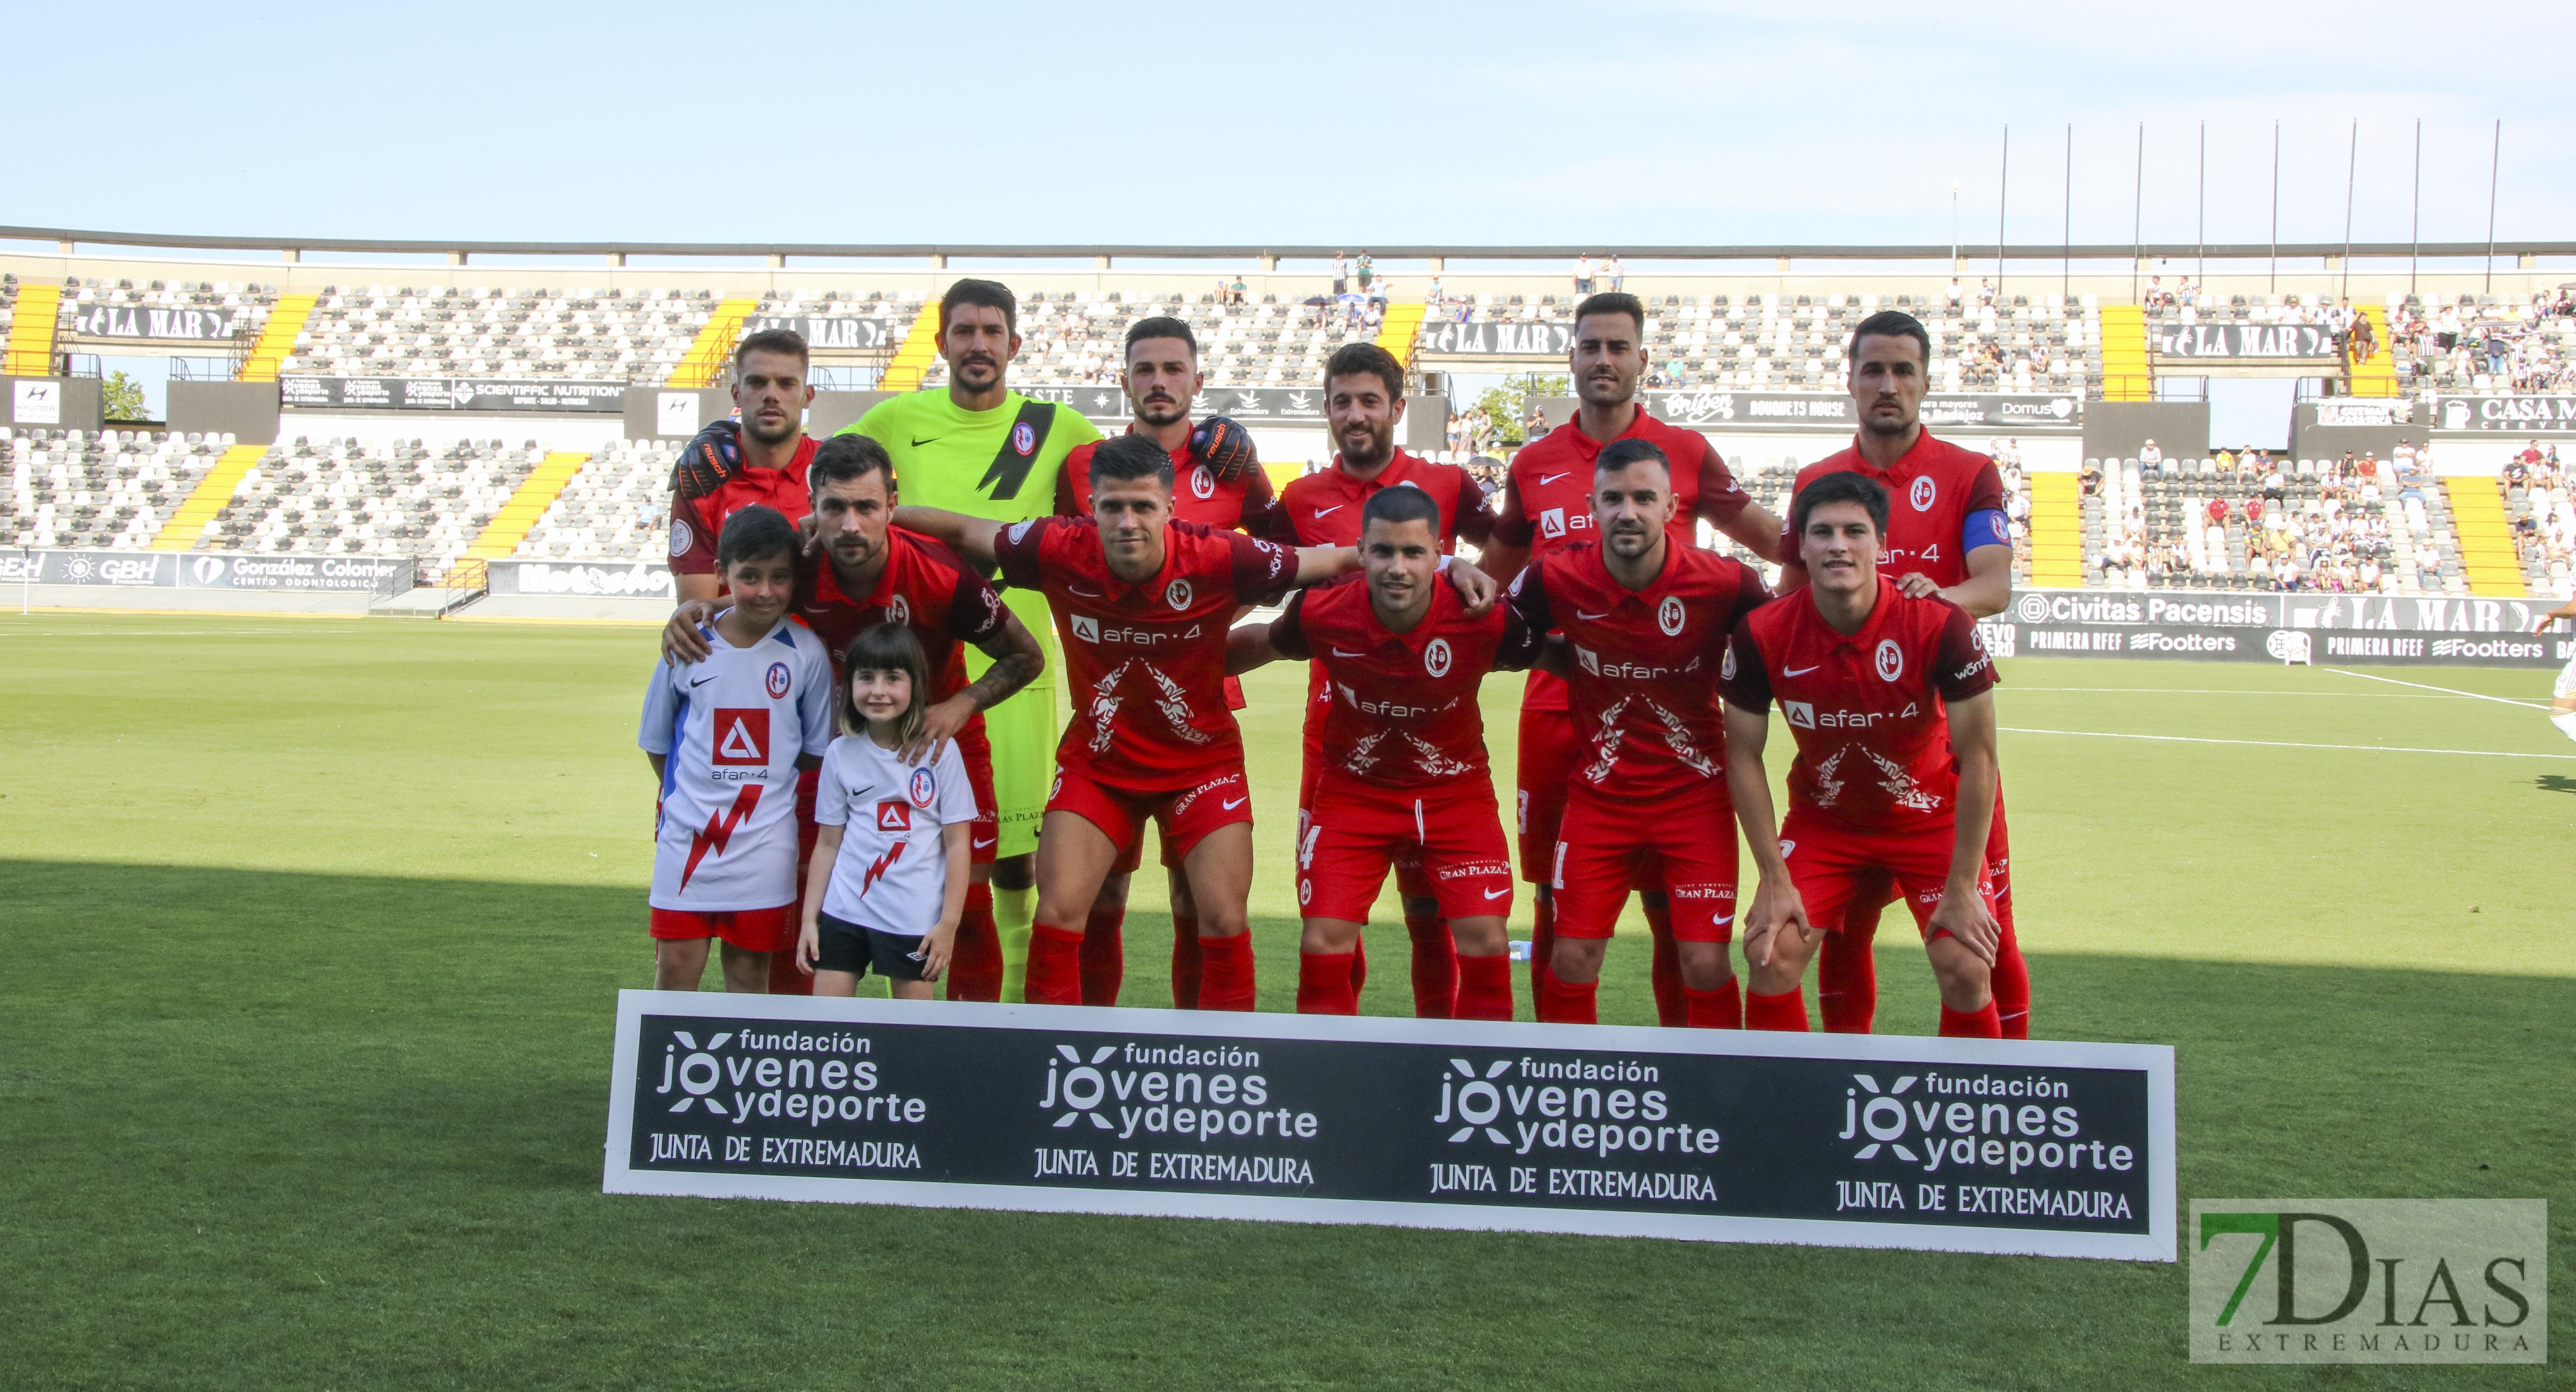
x=1831 y=863
x=1411 y=880
x=1184 y=818
x=1602 y=848
x=1873 y=890
x=1355 y=832
x=1548 y=751
x=752 y=930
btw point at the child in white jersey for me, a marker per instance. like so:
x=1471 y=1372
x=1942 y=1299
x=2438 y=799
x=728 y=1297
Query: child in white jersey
x=726 y=735
x=888 y=877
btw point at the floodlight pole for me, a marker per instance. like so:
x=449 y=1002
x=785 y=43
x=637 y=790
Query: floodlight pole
x=2003 y=183
x=2201 y=216
x=2272 y=280
x=2138 y=215
x=2495 y=171
x=2415 y=236
x=2351 y=167
x=2066 y=228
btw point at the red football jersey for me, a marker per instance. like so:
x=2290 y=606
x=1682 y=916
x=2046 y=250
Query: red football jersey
x=925 y=588
x=1867 y=711
x=1641 y=691
x=1547 y=501
x=1145 y=663
x=1323 y=508
x=1931 y=493
x=1403 y=712
x=697 y=522
x=1197 y=494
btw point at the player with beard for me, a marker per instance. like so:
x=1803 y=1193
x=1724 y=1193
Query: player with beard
x=1364 y=405
x=1141 y=603
x=729 y=466
x=1546 y=508
x=1945 y=535
x=981 y=449
x=1644 y=620
x=871 y=573
x=1404 y=775
x=1218 y=482
x=1890 y=698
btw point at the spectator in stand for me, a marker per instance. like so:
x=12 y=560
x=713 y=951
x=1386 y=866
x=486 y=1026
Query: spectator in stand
x=1985 y=294
x=1618 y=277
x=1952 y=297
x=1368 y=271
x=1432 y=295
x=2149 y=457
x=2218 y=512
x=2089 y=481
x=2275 y=486
x=1239 y=288
x=1341 y=275
x=1583 y=274
x=1457 y=434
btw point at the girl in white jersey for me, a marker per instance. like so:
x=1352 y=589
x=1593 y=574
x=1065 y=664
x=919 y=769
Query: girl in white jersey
x=888 y=878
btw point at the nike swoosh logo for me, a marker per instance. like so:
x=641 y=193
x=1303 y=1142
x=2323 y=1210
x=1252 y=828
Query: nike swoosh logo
x=1798 y=671
x=818 y=608
x=701 y=681
x=1498 y=893
x=1238 y=802
x=1722 y=920
x=1339 y=653
x=1086 y=594
x=983 y=841
x=1545 y=479
x=1334 y=508
x=918 y=443
x=1581 y=615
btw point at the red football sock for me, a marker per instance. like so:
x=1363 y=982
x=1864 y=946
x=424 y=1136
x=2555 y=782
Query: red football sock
x=975 y=961
x=1847 y=978
x=2010 y=980
x=1104 y=953
x=1542 y=937
x=1485 y=987
x=1971 y=1024
x=1185 y=960
x=1225 y=973
x=1054 y=973
x=1359 y=966
x=1324 y=984
x=1561 y=1004
x=1785 y=1011
x=1671 y=1009
x=1435 y=967
x=1718 y=1009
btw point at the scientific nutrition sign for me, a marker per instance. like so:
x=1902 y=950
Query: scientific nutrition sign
x=2056 y=1149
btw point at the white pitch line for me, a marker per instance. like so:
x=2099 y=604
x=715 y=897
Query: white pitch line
x=2219 y=691
x=2472 y=695
x=2283 y=744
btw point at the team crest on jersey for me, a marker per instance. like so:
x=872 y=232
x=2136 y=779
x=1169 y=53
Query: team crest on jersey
x=778 y=681
x=1921 y=494
x=893 y=816
x=1202 y=483
x=1024 y=439
x=1435 y=657
x=1669 y=616
x=680 y=537
x=1020 y=531
x=741 y=736
x=1177 y=593
x=923 y=789
x=899 y=612
x=1726 y=664
x=1891 y=660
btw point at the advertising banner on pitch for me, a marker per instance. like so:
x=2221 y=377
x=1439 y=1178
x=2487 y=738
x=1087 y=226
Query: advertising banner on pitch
x=2511 y=415
x=207 y=570
x=616 y=578
x=2300 y=625
x=2055 y=1149
x=449 y=394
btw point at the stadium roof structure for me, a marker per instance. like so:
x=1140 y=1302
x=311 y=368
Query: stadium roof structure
x=69 y=239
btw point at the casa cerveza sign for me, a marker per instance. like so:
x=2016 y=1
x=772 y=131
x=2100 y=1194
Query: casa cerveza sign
x=2059 y=1149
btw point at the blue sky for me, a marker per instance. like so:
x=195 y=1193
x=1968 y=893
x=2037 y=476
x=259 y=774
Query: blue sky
x=1488 y=123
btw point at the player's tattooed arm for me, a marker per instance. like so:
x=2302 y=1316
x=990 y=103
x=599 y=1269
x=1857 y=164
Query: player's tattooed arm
x=1017 y=661
x=1963 y=909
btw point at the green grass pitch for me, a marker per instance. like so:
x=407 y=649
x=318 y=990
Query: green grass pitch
x=312 y=930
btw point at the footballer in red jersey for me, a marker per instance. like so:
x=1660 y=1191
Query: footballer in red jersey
x=1364 y=405
x=1217 y=482
x=1547 y=506
x=1888 y=696
x=872 y=573
x=1401 y=774
x=760 y=460
x=1142 y=604
x=1946 y=535
x=1641 y=623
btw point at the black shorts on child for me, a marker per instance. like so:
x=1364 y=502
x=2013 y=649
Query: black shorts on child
x=843 y=946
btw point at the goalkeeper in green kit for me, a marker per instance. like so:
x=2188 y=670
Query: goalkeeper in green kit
x=981 y=449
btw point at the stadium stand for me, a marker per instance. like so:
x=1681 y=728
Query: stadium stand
x=616 y=508
x=110 y=490
x=572 y=334
x=387 y=497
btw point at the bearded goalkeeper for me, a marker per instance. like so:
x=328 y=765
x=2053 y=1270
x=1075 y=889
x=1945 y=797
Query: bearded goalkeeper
x=981 y=449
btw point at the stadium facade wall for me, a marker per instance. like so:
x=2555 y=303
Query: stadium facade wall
x=247 y=411
x=2118 y=429
x=52 y=403
x=2307 y=626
